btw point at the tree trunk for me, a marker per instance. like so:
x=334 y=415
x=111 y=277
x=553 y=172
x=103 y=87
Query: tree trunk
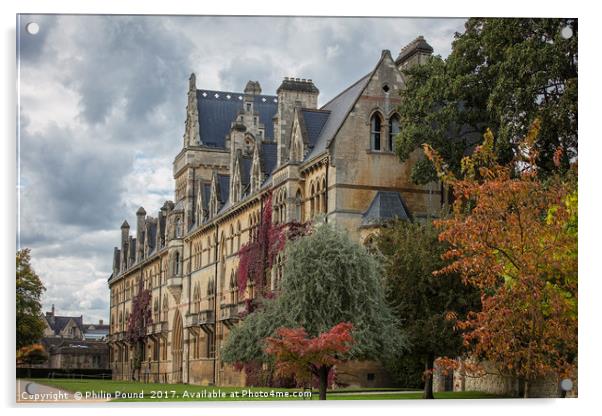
x=428 y=383
x=323 y=374
x=526 y=394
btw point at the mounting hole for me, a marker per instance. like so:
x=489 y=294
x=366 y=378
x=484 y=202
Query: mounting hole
x=32 y=28
x=566 y=384
x=566 y=32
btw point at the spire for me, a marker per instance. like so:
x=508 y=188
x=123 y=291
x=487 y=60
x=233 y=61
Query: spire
x=125 y=225
x=191 y=133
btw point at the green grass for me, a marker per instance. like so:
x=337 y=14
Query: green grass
x=186 y=392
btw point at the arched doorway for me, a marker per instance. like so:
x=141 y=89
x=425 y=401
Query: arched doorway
x=177 y=342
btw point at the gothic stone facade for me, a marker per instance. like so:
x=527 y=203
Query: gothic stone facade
x=337 y=161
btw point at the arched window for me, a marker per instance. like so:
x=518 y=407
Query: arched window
x=179 y=230
x=165 y=307
x=375 y=131
x=231 y=239
x=237 y=235
x=312 y=208
x=393 y=130
x=176 y=266
x=197 y=298
x=298 y=207
x=323 y=196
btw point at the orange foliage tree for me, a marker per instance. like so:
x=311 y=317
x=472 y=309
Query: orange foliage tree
x=302 y=357
x=514 y=237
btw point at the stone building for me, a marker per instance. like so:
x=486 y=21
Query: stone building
x=71 y=344
x=337 y=160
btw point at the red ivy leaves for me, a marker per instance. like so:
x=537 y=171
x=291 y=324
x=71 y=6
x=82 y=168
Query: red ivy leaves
x=257 y=257
x=140 y=316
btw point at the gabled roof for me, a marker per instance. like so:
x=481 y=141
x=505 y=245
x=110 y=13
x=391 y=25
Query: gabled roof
x=338 y=107
x=58 y=323
x=217 y=112
x=385 y=206
x=313 y=121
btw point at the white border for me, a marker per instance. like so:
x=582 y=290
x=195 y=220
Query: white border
x=590 y=207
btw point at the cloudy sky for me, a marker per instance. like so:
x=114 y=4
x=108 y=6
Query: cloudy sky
x=102 y=110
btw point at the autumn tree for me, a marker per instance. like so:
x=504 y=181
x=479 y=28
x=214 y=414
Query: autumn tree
x=328 y=279
x=31 y=354
x=422 y=302
x=139 y=320
x=30 y=324
x=514 y=237
x=304 y=357
x=501 y=74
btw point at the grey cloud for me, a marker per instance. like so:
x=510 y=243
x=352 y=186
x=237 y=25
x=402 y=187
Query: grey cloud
x=128 y=80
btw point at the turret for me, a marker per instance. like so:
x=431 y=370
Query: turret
x=140 y=215
x=125 y=240
x=414 y=53
x=292 y=93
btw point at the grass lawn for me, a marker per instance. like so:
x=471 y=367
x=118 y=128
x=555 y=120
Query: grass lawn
x=122 y=391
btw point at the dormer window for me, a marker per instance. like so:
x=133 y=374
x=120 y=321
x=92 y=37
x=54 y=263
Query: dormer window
x=248 y=107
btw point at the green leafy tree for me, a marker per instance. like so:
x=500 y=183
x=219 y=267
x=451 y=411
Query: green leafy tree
x=30 y=324
x=502 y=74
x=328 y=279
x=426 y=305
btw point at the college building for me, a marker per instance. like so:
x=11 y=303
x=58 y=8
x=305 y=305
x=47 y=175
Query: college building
x=239 y=150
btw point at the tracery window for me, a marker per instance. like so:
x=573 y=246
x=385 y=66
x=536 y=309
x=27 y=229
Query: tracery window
x=375 y=131
x=393 y=131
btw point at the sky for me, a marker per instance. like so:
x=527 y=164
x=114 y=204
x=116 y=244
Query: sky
x=102 y=108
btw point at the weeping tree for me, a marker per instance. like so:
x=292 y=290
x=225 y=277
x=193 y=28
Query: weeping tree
x=328 y=279
x=139 y=320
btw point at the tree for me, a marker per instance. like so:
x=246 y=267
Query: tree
x=422 y=302
x=328 y=279
x=30 y=324
x=514 y=237
x=304 y=357
x=139 y=320
x=501 y=74
x=31 y=354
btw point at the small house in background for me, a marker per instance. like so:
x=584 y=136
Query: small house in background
x=71 y=344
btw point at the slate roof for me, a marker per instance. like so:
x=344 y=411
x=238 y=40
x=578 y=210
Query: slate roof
x=206 y=189
x=58 y=323
x=385 y=206
x=269 y=156
x=339 y=107
x=216 y=114
x=223 y=182
x=314 y=121
x=245 y=168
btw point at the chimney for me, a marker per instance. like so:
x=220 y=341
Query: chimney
x=140 y=216
x=52 y=310
x=100 y=322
